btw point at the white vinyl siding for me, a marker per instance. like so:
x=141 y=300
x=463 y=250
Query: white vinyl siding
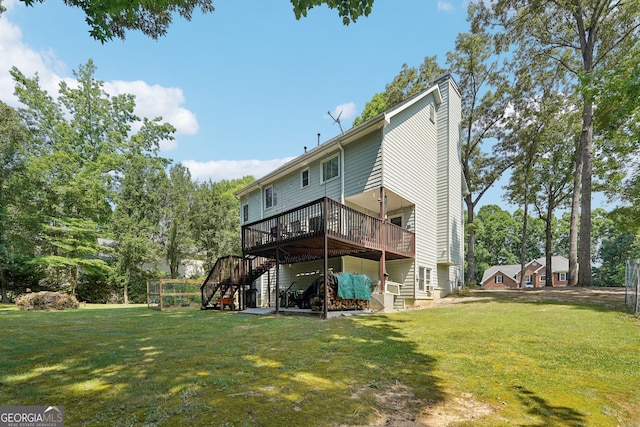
x=363 y=165
x=450 y=210
x=410 y=163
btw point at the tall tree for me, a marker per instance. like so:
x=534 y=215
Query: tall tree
x=583 y=36
x=541 y=133
x=13 y=150
x=483 y=86
x=178 y=240
x=81 y=141
x=135 y=227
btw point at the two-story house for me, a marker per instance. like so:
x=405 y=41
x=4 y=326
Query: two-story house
x=382 y=197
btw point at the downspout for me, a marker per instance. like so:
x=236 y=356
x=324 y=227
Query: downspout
x=383 y=213
x=341 y=172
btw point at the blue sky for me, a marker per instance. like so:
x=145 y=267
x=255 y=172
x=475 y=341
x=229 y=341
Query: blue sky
x=247 y=86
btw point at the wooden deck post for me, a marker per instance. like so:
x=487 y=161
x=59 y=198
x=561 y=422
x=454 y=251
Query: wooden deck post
x=383 y=232
x=325 y=311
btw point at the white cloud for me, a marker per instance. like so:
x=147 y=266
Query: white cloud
x=345 y=111
x=157 y=101
x=445 y=6
x=151 y=100
x=217 y=170
x=13 y=52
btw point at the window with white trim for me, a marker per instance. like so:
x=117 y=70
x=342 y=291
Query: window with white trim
x=543 y=278
x=424 y=278
x=562 y=277
x=270 y=197
x=528 y=278
x=245 y=213
x=330 y=169
x=304 y=178
x=499 y=279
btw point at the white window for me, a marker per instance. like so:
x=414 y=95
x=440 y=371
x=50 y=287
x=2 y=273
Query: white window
x=304 y=178
x=270 y=197
x=330 y=169
x=528 y=278
x=499 y=279
x=424 y=278
x=543 y=278
x=562 y=277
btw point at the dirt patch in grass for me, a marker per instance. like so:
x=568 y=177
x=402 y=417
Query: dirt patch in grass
x=397 y=406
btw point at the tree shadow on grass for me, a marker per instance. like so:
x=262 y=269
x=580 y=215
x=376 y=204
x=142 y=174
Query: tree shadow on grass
x=142 y=367
x=547 y=414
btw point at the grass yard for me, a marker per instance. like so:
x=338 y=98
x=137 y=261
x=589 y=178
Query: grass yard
x=487 y=361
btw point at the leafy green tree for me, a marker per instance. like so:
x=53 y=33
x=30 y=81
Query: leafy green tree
x=408 y=82
x=583 y=36
x=534 y=245
x=178 y=240
x=484 y=92
x=80 y=143
x=615 y=250
x=498 y=240
x=111 y=18
x=135 y=226
x=617 y=125
x=542 y=130
x=348 y=10
x=215 y=219
x=13 y=149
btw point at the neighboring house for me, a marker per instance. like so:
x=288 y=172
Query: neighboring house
x=384 y=196
x=508 y=276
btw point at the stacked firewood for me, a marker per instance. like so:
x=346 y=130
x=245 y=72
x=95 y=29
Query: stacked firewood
x=334 y=301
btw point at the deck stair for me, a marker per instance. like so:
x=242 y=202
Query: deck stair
x=228 y=278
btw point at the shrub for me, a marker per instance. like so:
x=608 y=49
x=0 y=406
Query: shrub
x=46 y=300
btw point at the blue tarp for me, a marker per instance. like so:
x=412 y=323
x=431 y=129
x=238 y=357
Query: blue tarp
x=354 y=286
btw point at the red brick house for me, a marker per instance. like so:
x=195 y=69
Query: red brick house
x=508 y=276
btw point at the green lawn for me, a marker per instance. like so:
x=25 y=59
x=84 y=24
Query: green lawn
x=482 y=363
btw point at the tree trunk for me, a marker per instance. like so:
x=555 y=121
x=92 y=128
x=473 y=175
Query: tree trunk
x=586 y=152
x=127 y=278
x=548 y=271
x=3 y=292
x=471 y=241
x=523 y=243
x=573 y=225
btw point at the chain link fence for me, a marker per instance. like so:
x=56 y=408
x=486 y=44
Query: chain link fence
x=632 y=284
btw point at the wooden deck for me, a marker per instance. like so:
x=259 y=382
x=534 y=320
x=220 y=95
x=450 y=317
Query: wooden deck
x=298 y=234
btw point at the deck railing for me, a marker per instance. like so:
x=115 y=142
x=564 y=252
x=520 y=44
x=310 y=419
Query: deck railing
x=339 y=221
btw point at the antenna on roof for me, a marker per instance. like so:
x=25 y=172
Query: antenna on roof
x=336 y=120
